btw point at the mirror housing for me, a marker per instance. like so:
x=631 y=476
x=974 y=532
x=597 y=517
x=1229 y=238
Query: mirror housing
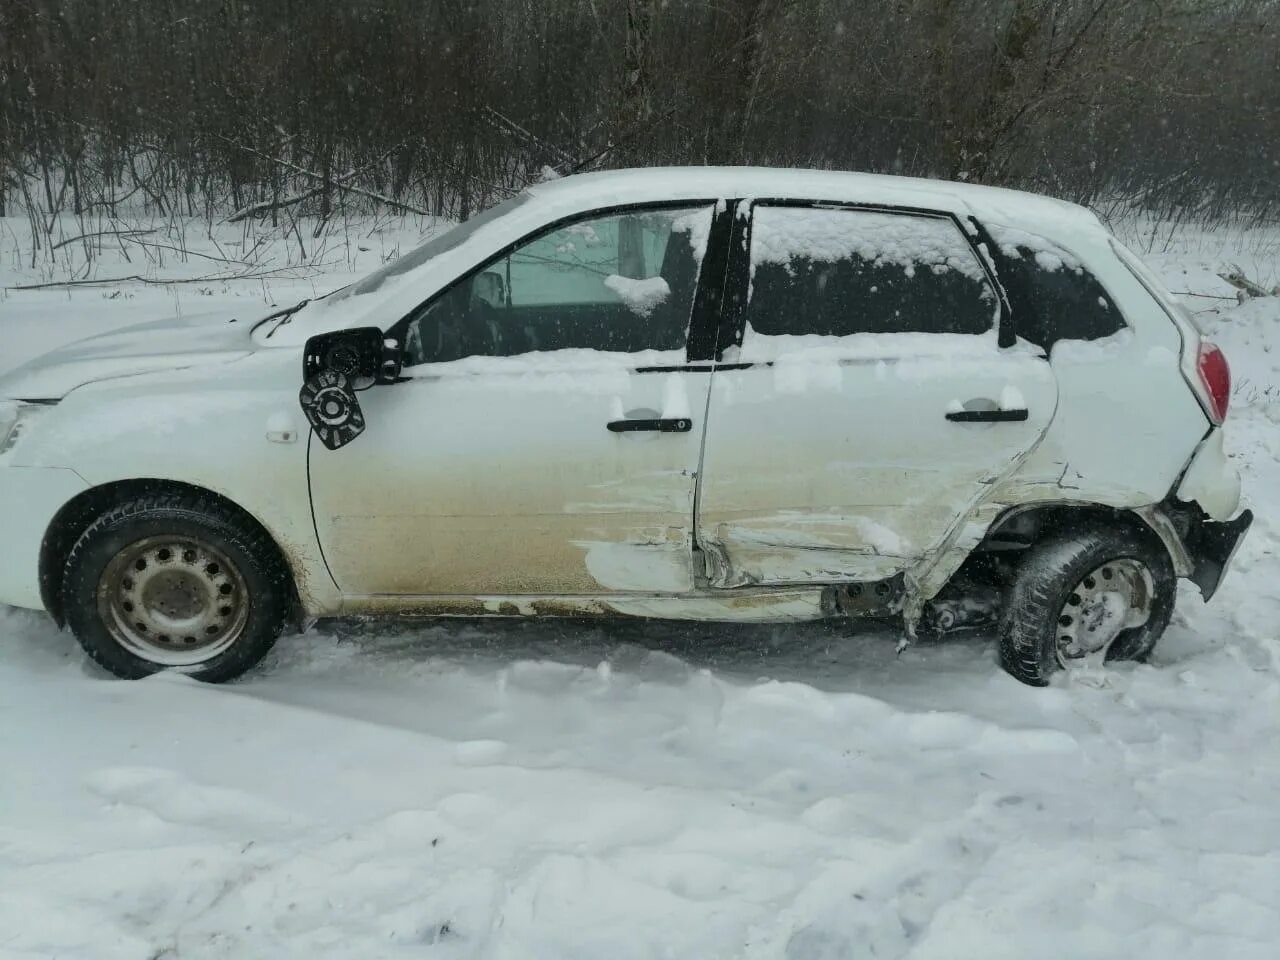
x=363 y=355
x=334 y=367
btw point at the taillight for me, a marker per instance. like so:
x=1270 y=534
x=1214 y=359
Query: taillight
x=1215 y=377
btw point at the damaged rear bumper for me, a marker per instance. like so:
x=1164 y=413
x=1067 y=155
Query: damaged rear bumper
x=1211 y=546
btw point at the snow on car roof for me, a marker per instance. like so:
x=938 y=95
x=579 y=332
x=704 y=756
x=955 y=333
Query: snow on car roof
x=652 y=184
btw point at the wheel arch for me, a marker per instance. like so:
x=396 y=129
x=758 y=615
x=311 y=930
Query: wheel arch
x=1024 y=525
x=75 y=516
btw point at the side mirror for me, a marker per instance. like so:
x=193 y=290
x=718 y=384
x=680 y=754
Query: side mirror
x=334 y=367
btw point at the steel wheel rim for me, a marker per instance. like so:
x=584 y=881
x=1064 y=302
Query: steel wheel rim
x=174 y=601
x=1115 y=597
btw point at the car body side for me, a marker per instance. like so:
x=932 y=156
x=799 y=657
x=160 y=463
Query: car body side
x=1126 y=433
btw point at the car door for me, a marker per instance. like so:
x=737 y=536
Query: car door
x=865 y=405
x=544 y=438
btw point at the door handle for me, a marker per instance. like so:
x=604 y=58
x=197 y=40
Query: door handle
x=988 y=416
x=659 y=425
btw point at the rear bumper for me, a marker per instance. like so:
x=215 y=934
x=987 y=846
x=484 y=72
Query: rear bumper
x=1211 y=546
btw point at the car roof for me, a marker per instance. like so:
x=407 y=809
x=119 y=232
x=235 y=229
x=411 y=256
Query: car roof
x=1014 y=208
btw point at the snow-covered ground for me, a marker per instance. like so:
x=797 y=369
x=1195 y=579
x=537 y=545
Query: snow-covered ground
x=541 y=790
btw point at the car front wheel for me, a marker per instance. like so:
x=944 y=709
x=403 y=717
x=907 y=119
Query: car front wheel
x=175 y=582
x=1086 y=596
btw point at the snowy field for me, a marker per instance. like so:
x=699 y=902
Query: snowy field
x=539 y=790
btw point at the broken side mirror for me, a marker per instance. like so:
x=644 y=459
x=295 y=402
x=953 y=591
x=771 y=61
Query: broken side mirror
x=335 y=366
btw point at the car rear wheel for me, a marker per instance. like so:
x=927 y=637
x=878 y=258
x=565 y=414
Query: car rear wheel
x=1086 y=597
x=175 y=582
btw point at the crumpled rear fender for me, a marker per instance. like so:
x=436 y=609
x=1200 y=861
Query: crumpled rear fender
x=1211 y=480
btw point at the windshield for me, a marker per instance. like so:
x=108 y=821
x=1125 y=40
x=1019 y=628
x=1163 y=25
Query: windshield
x=436 y=245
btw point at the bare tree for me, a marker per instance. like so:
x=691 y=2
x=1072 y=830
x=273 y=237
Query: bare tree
x=323 y=108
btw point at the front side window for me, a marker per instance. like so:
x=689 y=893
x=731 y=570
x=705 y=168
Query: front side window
x=1059 y=298
x=619 y=283
x=841 y=272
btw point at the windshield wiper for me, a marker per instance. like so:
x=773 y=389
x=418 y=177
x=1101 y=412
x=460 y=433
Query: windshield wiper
x=284 y=316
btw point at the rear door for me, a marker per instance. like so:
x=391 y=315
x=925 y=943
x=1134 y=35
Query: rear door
x=865 y=405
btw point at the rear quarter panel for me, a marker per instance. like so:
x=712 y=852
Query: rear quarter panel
x=1127 y=423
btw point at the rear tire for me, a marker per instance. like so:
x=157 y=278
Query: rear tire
x=1059 y=598
x=175 y=581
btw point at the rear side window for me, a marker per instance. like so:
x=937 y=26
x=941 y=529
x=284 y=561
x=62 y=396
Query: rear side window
x=839 y=272
x=1055 y=297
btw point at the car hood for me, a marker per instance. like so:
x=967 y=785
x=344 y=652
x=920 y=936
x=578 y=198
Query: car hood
x=142 y=348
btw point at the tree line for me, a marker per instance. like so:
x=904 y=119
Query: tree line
x=248 y=109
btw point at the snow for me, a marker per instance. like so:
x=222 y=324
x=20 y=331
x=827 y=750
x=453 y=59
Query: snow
x=539 y=790
x=1016 y=208
x=540 y=365
x=640 y=296
x=697 y=225
x=1011 y=398
x=823 y=349
x=536 y=789
x=782 y=234
x=1083 y=351
x=1047 y=254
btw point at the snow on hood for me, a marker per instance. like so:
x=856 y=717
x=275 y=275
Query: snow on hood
x=143 y=348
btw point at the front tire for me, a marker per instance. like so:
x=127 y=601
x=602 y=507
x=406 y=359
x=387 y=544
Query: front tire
x=175 y=581
x=1096 y=594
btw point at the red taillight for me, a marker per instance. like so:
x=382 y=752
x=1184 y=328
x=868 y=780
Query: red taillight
x=1215 y=375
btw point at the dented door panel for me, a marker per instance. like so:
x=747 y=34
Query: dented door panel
x=869 y=399
x=859 y=475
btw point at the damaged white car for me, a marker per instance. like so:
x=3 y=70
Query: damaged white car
x=729 y=394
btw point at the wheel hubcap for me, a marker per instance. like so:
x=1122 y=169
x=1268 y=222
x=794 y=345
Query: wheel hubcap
x=173 y=600
x=1113 y=598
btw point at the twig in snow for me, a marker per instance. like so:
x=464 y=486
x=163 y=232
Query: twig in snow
x=135 y=278
x=1246 y=286
x=102 y=233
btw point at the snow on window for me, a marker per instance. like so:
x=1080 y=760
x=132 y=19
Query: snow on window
x=640 y=295
x=1047 y=254
x=697 y=224
x=1054 y=296
x=782 y=234
x=838 y=272
x=586 y=231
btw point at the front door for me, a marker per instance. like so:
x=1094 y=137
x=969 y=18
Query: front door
x=546 y=437
x=868 y=406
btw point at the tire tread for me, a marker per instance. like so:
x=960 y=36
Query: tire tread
x=187 y=507
x=1053 y=567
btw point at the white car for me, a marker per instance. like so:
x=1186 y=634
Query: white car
x=710 y=393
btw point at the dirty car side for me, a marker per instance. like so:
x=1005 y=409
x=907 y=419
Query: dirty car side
x=523 y=463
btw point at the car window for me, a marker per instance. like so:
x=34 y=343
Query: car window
x=621 y=282
x=1059 y=299
x=839 y=272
